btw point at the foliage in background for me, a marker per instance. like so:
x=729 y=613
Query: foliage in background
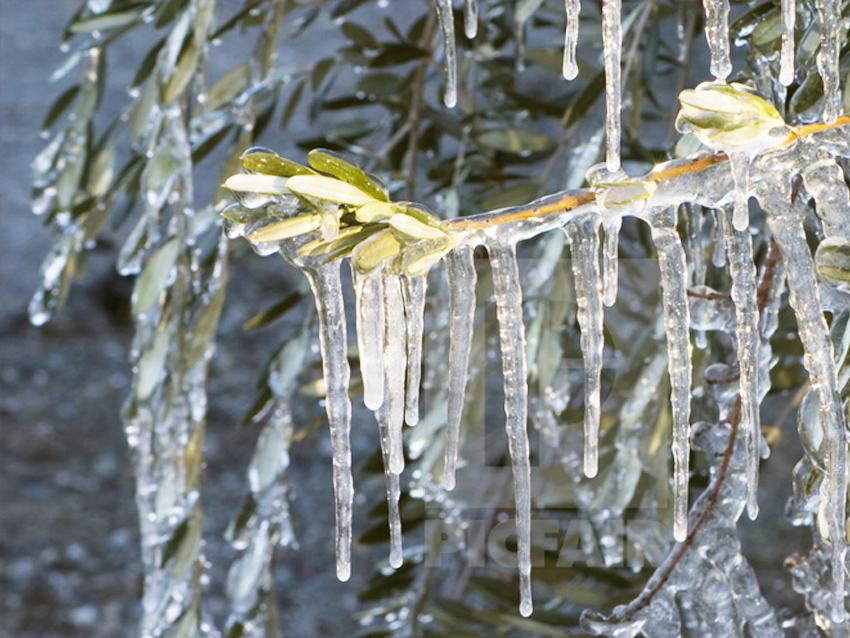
x=373 y=91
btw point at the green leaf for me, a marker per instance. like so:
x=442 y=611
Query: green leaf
x=123 y=16
x=320 y=72
x=328 y=189
x=291 y=105
x=359 y=36
x=397 y=54
x=154 y=277
x=341 y=246
x=273 y=313
x=833 y=258
x=514 y=141
x=60 y=106
x=204 y=330
x=228 y=87
x=286 y=229
x=327 y=162
x=269 y=163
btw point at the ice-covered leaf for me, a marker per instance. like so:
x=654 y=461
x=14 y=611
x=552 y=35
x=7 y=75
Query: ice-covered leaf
x=329 y=189
x=833 y=258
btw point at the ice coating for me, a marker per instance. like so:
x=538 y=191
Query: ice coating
x=414 y=310
x=370 y=336
x=671 y=263
x=470 y=18
x=829 y=15
x=327 y=291
x=717 y=35
x=742 y=271
x=447 y=28
x=740 y=162
x=462 y=278
x=786 y=59
x=825 y=182
x=395 y=366
x=612 y=43
x=584 y=244
x=508 y=295
x=784 y=222
x=610 y=269
x=570 y=69
x=392 y=479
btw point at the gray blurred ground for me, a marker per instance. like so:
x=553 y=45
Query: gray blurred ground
x=69 y=563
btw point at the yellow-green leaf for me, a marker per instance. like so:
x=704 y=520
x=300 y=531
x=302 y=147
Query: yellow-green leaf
x=347 y=172
x=329 y=189
x=414 y=228
x=287 y=228
x=374 y=251
x=269 y=163
x=261 y=184
x=376 y=212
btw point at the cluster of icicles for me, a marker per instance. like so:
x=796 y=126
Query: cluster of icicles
x=390 y=307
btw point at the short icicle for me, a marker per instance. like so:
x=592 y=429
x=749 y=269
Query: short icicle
x=470 y=18
x=395 y=366
x=327 y=290
x=740 y=164
x=584 y=244
x=610 y=269
x=462 y=278
x=393 y=484
x=784 y=222
x=717 y=35
x=742 y=270
x=368 y=290
x=447 y=27
x=414 y=310
x=674 y=285
x=612 y=42
x=508 y=294
x=570 y=69
x=786 y=59
x=829 y=15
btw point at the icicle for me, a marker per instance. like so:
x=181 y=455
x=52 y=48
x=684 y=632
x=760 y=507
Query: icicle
x=470 y=18
x=743 y=273
x=786 y=61
x=826 y=184
x=717 y=34
x=612 y=41
x=395 y=365
x=785 y=224
x=571 y=39
x=671 y=263
x=370 y=336
x=414 y=309
x=447 y=26
x=610 y=270
x=461 y=275
x=829 y=14
x=718 y=256
x=584 y=244
x=327 y=290
x=392 y=481
x=512 y=340
x=740 y=163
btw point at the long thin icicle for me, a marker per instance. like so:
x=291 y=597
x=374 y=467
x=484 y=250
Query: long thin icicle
x=674 y=285
x=447 y=27
x=392 y=481
x=610 y=269
x=742 y=270
x=395 y=366
x=612 y=42
x=786 y=59
x=370 y=336
x=414 y=310
x=470 y=18
x=717 y=35
x=784 y=222
x=508 y=294
x=584 y=244
x=571 y=39
x=462 y=278
x=327 y=290
x=829 y=15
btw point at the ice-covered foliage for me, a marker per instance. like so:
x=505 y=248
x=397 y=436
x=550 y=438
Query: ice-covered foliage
x=693 y=372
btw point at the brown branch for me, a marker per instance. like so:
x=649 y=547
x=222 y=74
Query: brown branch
x=570 y=200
